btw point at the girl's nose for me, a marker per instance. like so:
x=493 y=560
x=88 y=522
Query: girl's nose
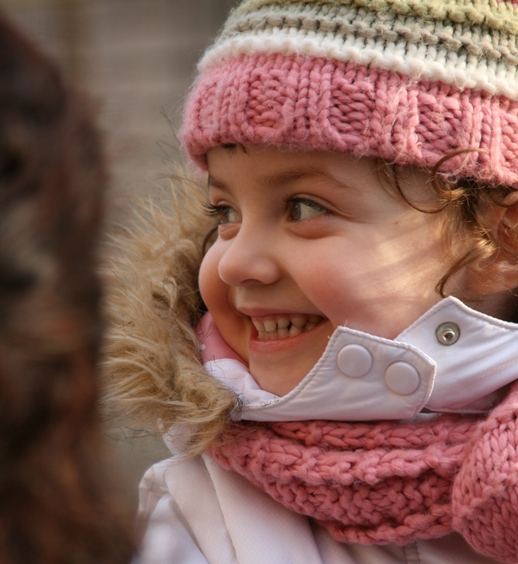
x=249 y=258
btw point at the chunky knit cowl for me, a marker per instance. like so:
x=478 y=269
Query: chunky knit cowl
x=389 y=482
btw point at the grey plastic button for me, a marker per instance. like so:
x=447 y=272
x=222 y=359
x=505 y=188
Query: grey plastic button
x=447 y=333
x=354 y=361
x=402 y=378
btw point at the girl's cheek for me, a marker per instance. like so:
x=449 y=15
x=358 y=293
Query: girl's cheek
x=205 y=276
x=209 y=281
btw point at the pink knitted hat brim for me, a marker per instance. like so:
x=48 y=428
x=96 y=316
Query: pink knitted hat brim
x=303 y=103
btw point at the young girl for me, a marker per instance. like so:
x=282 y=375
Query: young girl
x=356 y=401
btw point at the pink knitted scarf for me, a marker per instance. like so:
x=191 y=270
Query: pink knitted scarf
x=391 y=482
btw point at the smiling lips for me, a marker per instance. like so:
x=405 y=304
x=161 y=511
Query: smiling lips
x=284 y=326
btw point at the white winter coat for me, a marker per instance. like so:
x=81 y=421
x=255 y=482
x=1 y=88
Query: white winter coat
x=194 y=511
x=197 y=511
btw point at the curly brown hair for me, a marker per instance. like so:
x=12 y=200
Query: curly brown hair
x=54 y=503
x=466 y=202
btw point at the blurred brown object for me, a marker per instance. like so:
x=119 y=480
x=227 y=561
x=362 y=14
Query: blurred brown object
x=55 y=500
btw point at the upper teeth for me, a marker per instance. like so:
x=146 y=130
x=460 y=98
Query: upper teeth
x=284 y=326
x=268 y=325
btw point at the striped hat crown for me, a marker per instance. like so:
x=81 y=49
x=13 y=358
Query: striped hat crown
x=409 y=81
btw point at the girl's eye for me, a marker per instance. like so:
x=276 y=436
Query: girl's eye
x=300 y=209
x=222 y=214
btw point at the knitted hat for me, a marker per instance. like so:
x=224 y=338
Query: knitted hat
x=409 y=81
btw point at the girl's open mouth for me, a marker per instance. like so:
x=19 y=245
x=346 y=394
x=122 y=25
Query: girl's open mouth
x=284 y=326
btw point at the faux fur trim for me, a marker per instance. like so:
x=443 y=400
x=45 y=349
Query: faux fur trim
x=154 y=377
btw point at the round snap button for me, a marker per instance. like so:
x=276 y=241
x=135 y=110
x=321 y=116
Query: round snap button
x=447 y=333
x=402 y=378
x=354 y=361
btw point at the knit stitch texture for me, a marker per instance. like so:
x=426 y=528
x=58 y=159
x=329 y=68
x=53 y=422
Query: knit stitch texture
x=406 y=81
x=391 y=482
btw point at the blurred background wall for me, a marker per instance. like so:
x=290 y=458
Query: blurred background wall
x=137 y=59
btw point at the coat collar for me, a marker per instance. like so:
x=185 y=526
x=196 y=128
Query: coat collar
x=452 y=359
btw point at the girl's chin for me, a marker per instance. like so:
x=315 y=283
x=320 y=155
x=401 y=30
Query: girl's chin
x=279 y=382
x=279 y=365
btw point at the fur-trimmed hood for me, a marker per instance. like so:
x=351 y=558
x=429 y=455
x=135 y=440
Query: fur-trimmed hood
x=154 y=377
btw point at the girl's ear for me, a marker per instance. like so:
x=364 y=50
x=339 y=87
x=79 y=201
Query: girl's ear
x=510 y=216
x=494 y=281
x=502 y=221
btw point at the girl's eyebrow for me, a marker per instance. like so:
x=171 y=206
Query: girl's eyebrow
x=286 y=177
x=216 y=183
x=274 y=180
x=303 y=172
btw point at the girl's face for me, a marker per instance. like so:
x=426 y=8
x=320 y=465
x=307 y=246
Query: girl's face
x=310 y=241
